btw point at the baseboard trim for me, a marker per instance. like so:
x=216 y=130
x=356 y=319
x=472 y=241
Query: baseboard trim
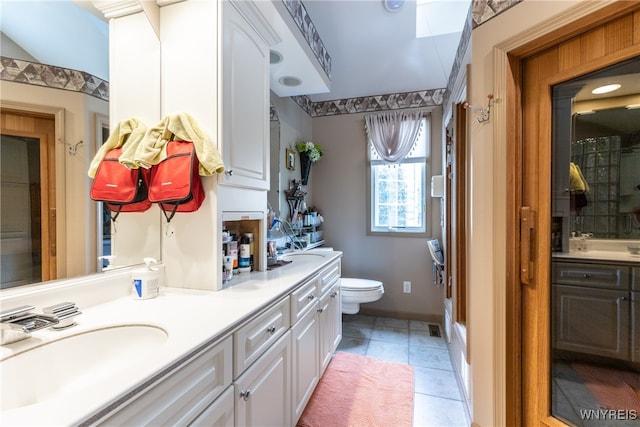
x=430 y=318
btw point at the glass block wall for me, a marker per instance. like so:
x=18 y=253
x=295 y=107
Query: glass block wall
x=599 y=160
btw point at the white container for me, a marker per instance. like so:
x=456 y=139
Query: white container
x=145 y=282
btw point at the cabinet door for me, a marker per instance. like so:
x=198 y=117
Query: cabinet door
x=305 y=359
x=326 y=320
x=592 y=321
x=263 y=392
x=336 y=313
x=219 y=413
x=245 y=103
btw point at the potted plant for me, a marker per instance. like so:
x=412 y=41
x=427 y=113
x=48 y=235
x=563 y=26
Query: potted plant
x=309 y=153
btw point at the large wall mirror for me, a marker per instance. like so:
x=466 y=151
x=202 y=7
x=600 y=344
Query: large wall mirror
x=56 y=231
x=273 y=195
x=596 y=164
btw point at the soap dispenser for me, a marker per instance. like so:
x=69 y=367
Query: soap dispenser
x=145 y=282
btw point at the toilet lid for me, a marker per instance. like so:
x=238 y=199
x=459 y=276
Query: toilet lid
x=360 y=284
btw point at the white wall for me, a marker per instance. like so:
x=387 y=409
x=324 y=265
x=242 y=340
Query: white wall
x=339 y=182
x=77 y=247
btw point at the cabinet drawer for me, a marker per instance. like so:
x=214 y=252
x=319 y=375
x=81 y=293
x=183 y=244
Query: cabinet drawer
x=252 y=339
x=179 y=397
x=591 y=275
x=635 y=278
x=302 y=299
x=328 y=276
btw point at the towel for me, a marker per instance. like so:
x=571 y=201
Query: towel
x=130 y=131
x=577 y=183
x=179 y=127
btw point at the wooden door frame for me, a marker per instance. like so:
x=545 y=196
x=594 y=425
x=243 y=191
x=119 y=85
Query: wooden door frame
x=456 y=214
x=59 y=181
x=508 y=59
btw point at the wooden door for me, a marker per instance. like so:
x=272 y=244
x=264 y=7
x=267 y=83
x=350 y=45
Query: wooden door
x=607 y=38
x=28 y=229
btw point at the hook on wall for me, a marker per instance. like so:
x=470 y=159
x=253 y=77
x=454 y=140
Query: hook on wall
x=72 y=149
x=485 y=113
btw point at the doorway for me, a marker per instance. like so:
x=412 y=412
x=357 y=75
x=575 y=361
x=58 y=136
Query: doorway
x=28 y=208
x=584 y=46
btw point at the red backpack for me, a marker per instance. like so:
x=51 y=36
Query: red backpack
x=175 y=182
x=120 y=189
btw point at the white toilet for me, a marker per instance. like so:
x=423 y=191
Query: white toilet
x=359 y=291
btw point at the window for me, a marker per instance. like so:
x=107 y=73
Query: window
x=397 y=191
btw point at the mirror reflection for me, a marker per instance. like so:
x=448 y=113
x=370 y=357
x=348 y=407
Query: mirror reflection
x=54 y=116
x=273 y=195
x=595 y=292
x=606 y=146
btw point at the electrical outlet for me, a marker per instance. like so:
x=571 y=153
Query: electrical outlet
x=406 y=287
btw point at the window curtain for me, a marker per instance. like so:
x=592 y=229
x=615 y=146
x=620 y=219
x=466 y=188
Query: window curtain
x=393 y=134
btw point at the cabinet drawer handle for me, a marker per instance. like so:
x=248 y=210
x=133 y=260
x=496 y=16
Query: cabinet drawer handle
x=245 y=394
x=271 y=329
x=334 y=294
x=320 y=310
x=228 y=172
x=586 y=276
x=312 y=296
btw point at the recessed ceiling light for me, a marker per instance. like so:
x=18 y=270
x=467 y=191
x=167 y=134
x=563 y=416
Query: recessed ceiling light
x=275 y=57
x=289 y=81
x=605 y=89
x=393 y=5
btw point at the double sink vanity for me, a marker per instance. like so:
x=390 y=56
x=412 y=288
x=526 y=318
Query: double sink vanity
x=246 y=355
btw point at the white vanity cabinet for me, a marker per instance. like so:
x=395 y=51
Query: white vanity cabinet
x=181 y=395
x=244 y=106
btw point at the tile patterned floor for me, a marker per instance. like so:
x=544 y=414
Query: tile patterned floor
x=437 y=398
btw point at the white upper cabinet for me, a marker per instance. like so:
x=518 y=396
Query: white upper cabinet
x=244 y=131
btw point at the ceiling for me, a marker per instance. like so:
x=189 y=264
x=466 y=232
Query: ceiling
x=373 y=51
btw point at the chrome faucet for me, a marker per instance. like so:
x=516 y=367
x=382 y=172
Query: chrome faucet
x=18 y=323
x=64 y=312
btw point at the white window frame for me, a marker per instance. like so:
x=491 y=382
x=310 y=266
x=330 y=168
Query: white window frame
x=423 y=229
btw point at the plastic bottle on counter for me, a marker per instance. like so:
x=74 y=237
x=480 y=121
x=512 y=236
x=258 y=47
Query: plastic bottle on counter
x=251 y=249
x=244 y=257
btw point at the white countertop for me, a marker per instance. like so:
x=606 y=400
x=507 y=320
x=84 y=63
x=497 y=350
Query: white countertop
x=598 y=256
x=191 y=319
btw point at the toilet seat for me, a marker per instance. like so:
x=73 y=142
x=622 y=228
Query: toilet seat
x=359 y=291
x=356 y=285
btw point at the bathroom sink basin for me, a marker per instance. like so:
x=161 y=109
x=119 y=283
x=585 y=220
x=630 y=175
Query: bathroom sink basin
x=301 y=257
x=74 y=362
